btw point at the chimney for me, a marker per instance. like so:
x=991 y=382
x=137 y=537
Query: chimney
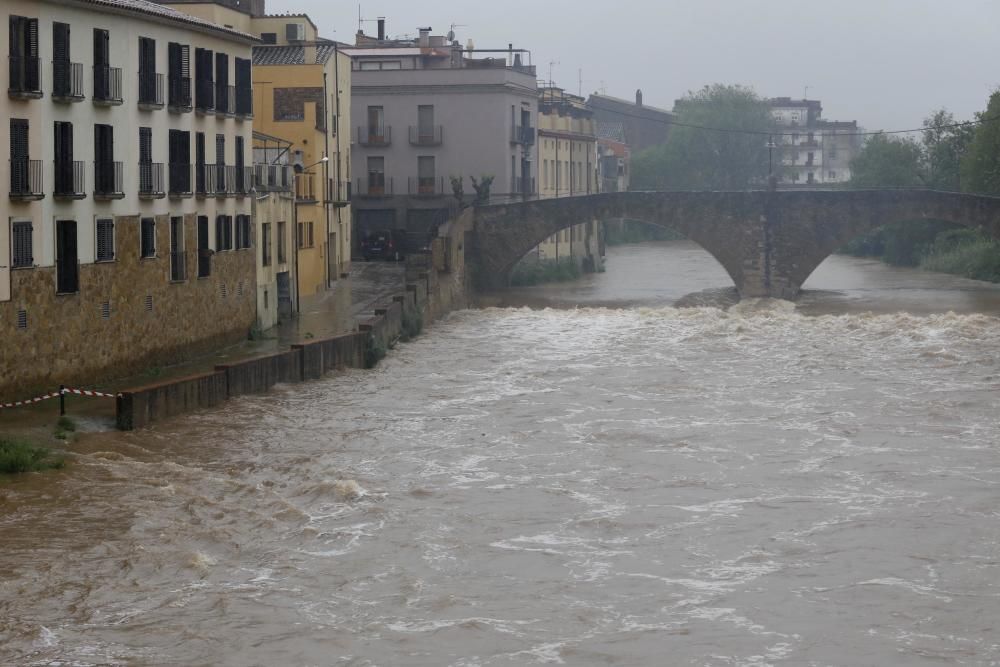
x=425 y=37
x=638 y=98
x=381 y=28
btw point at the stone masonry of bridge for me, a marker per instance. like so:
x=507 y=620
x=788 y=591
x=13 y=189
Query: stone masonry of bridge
x=768 y=242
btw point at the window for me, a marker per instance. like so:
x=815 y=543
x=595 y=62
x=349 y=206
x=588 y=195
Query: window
x=223 y=233
x=376 y=124
x=241 y=181
x=179 y=75
x=243 y=232
x=178 y=267
x=282 y=250
x=62 y=82
x=376 y=175
x=21 y=245
x=20 y=163
x=311 y=239
x=146 y=160
x=179 y=157
x=204 y=85
x=222 y=83
x=67 y=263
x=265 y=244
x=300 y=235
x=425 y=174
x=102 y=66
x=244 y=88
x=63 y=158
x=269 y=37
x=204 y=252
x=25 y=65
x=105 y=240
x=425 y=122
x=147 y=72
x=105 y=181
x=147 y=238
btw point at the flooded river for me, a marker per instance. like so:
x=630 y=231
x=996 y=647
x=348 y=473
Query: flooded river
x=611 y=481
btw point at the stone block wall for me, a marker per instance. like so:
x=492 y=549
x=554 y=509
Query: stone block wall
x=127 y=317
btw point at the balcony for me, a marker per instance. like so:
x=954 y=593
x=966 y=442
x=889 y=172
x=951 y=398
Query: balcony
x=26 y=180
x=67 y=81
x=25 y=81
x=179 y=94
x=339 y=194
x=375 y=137
x=243 y=180
x=273 y=177
x=423 y=186
x=205 y=180
x=244 y=103
x=107 y=86
x=180 y=180
x=70 y=179
x=225 y=179
x=151 y=180
x=524 y=186
x=108 y=181
x=305 y=188
x=374 y=186
x=426 y=136
x=150 y=91
x=204 y=96
x=522 y=134
x=225 y=100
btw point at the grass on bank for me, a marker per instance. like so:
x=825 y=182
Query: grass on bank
x=18 y=456
x=531 y=271
x=966 y=254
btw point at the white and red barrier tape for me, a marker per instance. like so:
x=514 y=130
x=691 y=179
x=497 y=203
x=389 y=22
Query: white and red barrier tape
x=66 y=390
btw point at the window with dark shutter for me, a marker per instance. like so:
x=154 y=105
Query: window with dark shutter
x=61 y=82
x=147 y=71
x=179 y=75
x=220 y=162
x=220 y=235
x=178 y=265
x=244 y=87
x=22 y=256
x=265 y=244
x=204 y=252
x=147 y=238
x=67 y=263
x=19 y=167
x=222 y=83
x=102 y=64
x=25 y=66
x=229 y=232
x=105 y=240
x=242 y=184
x=63 y=158
x=104 y=159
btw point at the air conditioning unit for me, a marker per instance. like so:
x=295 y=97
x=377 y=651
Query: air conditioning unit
x=295 y=32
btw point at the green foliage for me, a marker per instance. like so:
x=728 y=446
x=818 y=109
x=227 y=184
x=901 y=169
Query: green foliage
x=17 y=456
x=900 y=243
x=695 y=159
x=482 y=188
x=981 y=163
x=413 y=324
x=888 y=161
x=635 y=231
x=965 y=252
x=944 y=148
x=374 y=352
x=531 y=271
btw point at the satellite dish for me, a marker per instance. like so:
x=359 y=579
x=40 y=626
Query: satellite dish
x=451 y=35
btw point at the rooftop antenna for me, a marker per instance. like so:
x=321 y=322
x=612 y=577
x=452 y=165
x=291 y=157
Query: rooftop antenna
x=451 y=33
x=552 y=63
x=580 y=89
x=805 y=94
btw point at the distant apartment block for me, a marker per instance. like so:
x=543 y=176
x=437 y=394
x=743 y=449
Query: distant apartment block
x=813 y=151
x=126 y=237
x=428 y=110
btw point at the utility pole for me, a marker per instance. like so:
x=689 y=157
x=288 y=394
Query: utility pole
x=772 y=182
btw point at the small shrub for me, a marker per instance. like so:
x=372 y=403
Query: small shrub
x=968 y=255
x=66 y=424
x=532 y=271
x=17 y=456
x=374 y=352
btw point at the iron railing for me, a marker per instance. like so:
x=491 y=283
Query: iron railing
x=225 y=99
x=151 y=180
x=108 y=180
x=204 y=95
x=206 y=178
x=25 y=77
x=305 y=187
x=69 y=180
x=274 y=177
x=424 y=186
x=180 y=179
x=150 y=90
x=107 y=85
x=524 y=185
x=244 y=103
x=179 y=93
x=244 y=180
x=339 y=193
x=379 y=186
x=26 y=179
x=522 y=134
x=426 y=136
x=67 y=81
x=375 y=136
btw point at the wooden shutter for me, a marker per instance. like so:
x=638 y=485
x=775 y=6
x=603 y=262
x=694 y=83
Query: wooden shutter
x=19 y=155
x=102 y=48
x=220 y=236
x=63 y=157
x=145 y=145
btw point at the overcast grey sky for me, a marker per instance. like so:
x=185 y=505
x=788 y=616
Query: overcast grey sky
x=884 y=63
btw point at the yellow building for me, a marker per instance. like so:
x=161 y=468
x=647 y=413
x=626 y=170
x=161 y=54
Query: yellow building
x=302 y=94
x=567 y=167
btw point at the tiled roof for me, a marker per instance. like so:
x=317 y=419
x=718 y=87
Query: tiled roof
x=290 y=55
x=615 y=131
x=160 y=11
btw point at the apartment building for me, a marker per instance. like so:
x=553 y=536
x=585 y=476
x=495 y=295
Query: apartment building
x=428 y=111
x=567 y=157
x=274 y=217
x=125 y=236
x=302 y=94
x=614 y=158
x=813 y=151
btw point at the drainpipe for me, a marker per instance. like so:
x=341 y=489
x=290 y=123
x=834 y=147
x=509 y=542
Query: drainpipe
x=295 y=243
x=336 y=129
x=326 y=182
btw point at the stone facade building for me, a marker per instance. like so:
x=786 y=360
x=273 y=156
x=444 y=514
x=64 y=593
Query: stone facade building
x=125 y=232
x=427 y=110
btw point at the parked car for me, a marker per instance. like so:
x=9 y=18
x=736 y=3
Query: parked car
x=387 y=244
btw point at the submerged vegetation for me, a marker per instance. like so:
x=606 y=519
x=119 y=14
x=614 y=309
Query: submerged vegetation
x=18 y=456
x=532 y=271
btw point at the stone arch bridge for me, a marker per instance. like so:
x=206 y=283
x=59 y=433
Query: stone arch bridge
x=768 y=241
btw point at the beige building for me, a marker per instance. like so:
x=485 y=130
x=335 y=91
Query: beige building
x=567 y=160
x=125 y=232
x=274 y=217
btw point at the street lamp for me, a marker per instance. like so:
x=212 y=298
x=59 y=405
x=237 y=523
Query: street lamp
x=299 y=168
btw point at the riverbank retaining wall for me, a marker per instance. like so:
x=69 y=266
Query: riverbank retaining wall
x=435 y=285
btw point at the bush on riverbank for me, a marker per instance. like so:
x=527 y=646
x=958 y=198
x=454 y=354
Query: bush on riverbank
x=965 y=253
x=633 y=231
x=531 y=271
x=413 y=324
x=17 y=456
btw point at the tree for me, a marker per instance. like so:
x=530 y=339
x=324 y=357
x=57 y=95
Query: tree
x=981 y=164
x=694 y=158
x=888 y=161
x=944 y=149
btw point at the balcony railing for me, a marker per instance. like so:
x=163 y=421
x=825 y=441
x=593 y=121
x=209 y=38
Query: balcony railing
x=426 y=136
x=69 y=180
x=426 y=186
x=273 y=177
x=524 y=185
x=523 y=134
x=180 y=179
x=206 y=177
x=225 y=100
x=340 y=193
x=374 y=187
x=25 y=78
x=26 y=180
x=305 y=188
x=375 y=136
x=243 y=177
x=225 y=180
x=179 y=94
x=244 y=103
x=67 y=81
x=178 y=267
x=150 y=90
x=107 y=85
x=151 y=180
x=204 y=95
x=108 y=181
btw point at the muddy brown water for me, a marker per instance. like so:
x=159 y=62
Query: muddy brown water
x=606 y=480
